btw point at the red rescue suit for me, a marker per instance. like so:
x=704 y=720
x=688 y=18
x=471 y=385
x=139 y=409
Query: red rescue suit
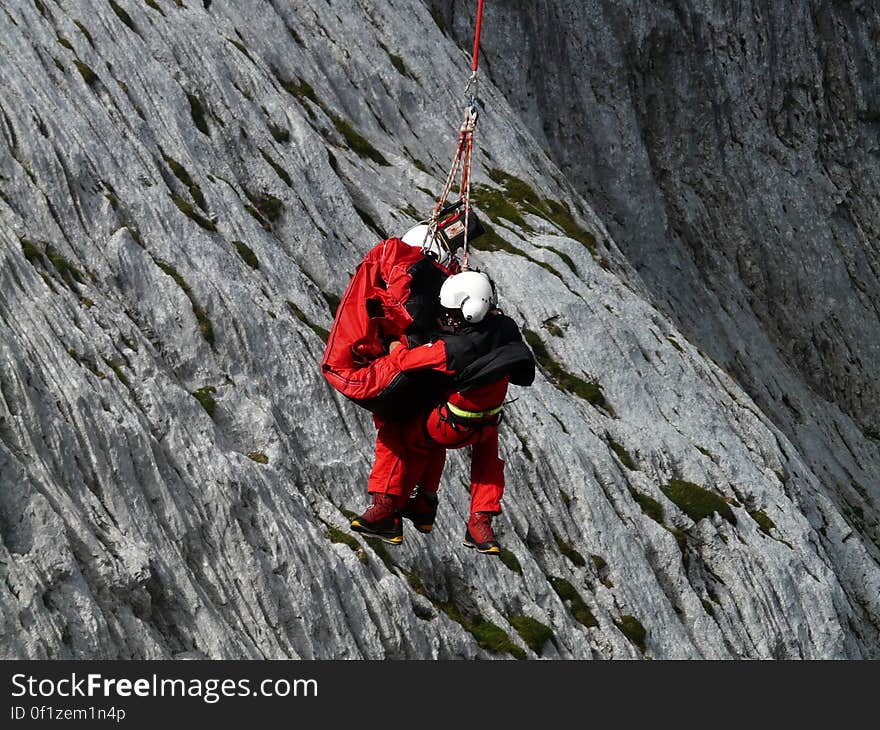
x=393 y=293
x=485 y=358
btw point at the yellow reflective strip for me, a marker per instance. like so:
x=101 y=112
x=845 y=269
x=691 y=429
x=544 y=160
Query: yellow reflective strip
x=461 y=413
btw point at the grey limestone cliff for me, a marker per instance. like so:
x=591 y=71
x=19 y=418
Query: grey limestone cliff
x=684 y=219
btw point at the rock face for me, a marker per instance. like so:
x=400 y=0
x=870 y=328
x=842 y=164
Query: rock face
x=184 y=190
x=733 y=153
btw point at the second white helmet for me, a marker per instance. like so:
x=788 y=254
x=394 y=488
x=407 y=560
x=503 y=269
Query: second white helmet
x=469 y=291
x=420 y=236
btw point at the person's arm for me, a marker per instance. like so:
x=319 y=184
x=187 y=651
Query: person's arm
x=395 y=274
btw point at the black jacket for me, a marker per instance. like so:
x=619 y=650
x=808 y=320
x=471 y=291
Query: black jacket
x=482 y=353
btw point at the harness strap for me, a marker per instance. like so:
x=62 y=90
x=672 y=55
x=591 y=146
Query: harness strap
x=462 y=413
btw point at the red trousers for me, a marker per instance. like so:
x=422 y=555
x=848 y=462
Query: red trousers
x=413 y=453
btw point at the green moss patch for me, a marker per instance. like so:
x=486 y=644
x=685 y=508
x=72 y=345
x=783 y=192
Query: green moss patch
x=599 y=562
x=302 y=91
x=518 y=196
x=280 y=171
x=332 y=301
x=765 y=524
x=560 y=214
x=197 y=112
x=697 y=502
x=573 y=601
x=532 y=632
x=510 y=561
x=369 y=222
x=89 y=76
x=185 y=207
x=32 y=252
x=566 y=259
x=561 y=378
x=205 y=396
x=495 y=204
x=241 y=47
x=205 y=325
x=336 y=535
x=85 y=32
x=65 y=269
x=279 y=134
x=155 y=6
x=266 y=208
x=122 y=15
x=681 y=538
x=181 y=174
x=300 y=315
x=397 y=62
x=633 y=630
x=88 y=363
x=378 y=547
x=648 y=504
x=116 y=367
x=622 y=454
x=247 y=254
x=349 y=515
x=356 y=142
x=259 y=457
x=489 y=636
x=569 y=552
x=69 y=274
x=491 y=241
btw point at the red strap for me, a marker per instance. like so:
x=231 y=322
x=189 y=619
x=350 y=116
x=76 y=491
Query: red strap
x=476 y=54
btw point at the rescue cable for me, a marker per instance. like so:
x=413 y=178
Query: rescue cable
x=462 y=159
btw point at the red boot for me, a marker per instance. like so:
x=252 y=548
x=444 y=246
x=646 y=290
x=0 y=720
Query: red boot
x=381 y=519
x=479 y=534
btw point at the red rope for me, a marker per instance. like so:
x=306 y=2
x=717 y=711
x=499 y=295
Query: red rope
x=462 y=160
x=476 y=54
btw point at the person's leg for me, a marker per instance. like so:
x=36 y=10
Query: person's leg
x=386 y=485
x=487 y=488
x=429 y=482
x=487 y=473
x=387 y=474
x=424 y=469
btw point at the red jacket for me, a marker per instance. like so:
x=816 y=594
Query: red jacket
x=373 y=311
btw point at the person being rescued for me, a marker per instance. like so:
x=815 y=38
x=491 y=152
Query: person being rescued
x=484 y=354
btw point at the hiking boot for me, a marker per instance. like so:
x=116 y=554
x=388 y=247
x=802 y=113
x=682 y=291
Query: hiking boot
x=381 y=520
x=421 y=510
x=479 y=534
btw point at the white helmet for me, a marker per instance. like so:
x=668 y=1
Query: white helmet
x=470 y=291
x=420 y=236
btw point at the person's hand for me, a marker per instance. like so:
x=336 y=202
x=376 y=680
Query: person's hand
x=393 y=346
